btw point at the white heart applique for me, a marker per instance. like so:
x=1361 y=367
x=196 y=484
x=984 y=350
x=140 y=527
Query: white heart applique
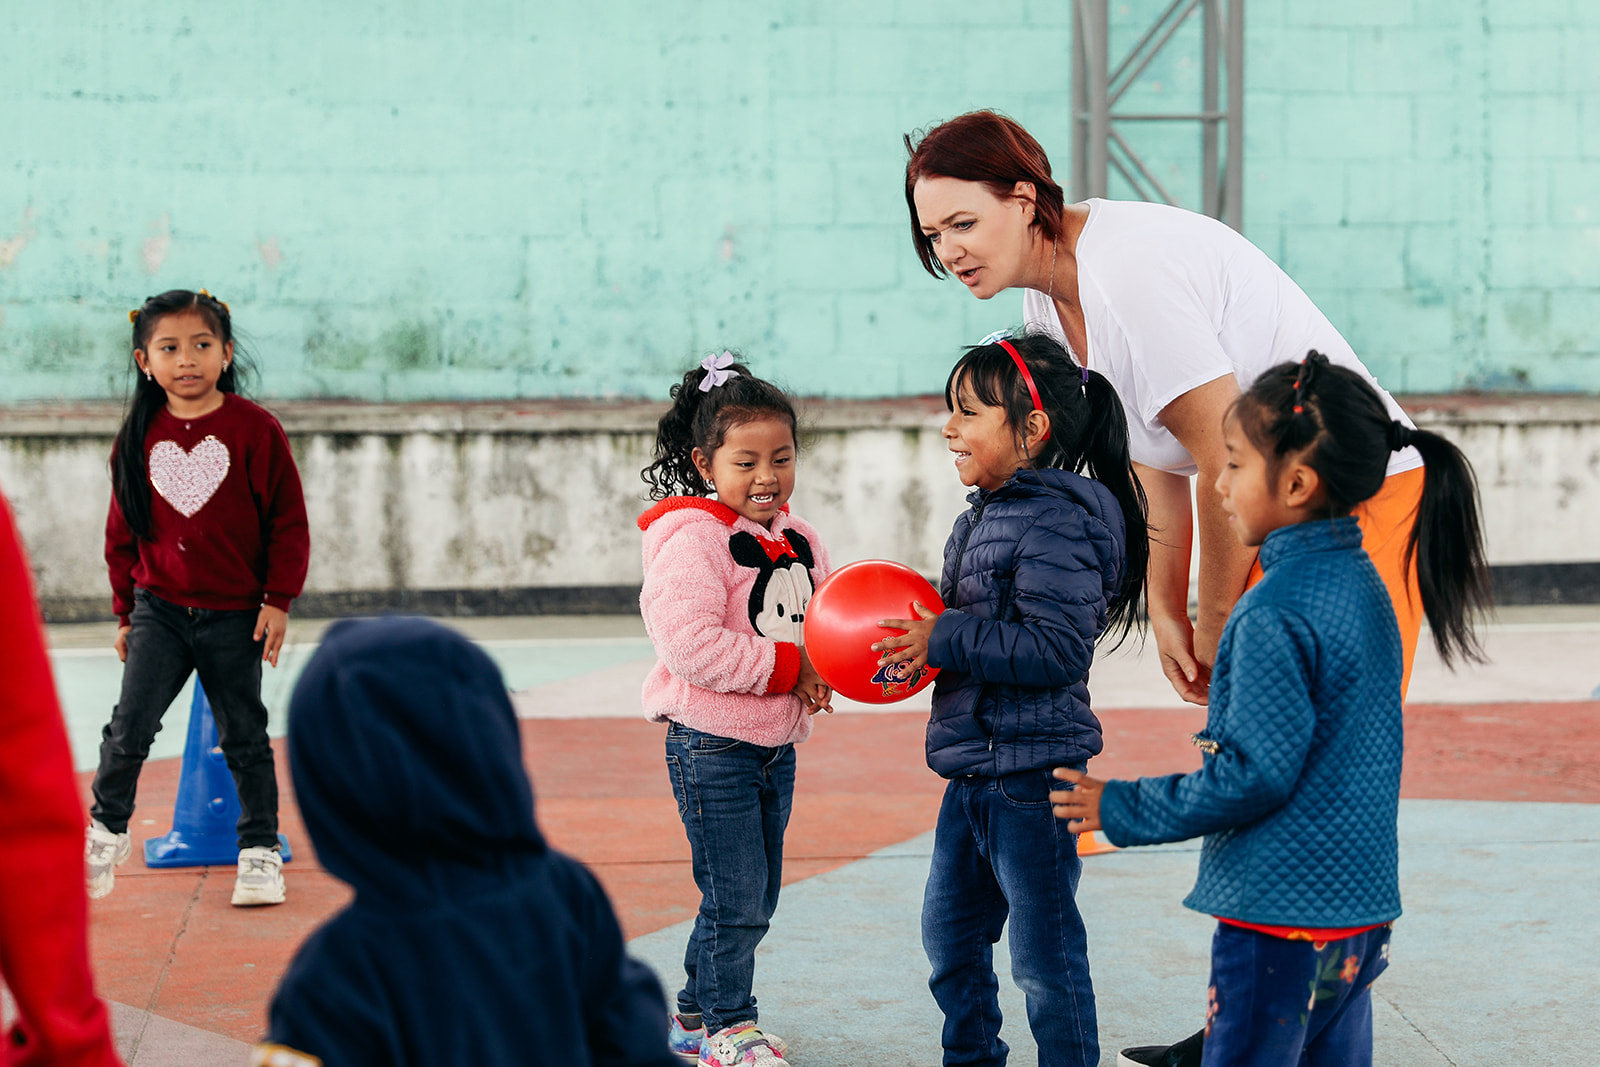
x=186 y=480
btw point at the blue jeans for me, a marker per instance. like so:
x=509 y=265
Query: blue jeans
x=734 y=800
x=1281 y=1003
x=166 y=642
x=998 y=851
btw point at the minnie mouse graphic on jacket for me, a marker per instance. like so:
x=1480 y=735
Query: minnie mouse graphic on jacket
x=724 y=600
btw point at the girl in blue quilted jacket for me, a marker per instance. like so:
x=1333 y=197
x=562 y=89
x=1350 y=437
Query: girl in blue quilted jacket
x=1050 y=555
x=1299 y=792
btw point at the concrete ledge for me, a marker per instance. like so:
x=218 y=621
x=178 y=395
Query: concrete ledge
x=305 y=417
x=552 y=416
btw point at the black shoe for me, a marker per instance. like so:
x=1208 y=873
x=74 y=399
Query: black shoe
x=1185 y=1053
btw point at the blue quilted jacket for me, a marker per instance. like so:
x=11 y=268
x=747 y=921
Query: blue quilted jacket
x=1300 y=789
x=1028 y=571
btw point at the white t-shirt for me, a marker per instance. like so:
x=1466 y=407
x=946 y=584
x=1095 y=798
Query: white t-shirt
x=1173 y=300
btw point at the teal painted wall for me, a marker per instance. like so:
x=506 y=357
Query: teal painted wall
x=421 y=200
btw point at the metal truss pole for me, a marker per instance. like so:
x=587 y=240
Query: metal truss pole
x=1097 y=86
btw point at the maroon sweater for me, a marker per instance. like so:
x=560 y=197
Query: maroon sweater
x=227 y=517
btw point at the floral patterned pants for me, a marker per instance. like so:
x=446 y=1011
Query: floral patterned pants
x=1280 y=1003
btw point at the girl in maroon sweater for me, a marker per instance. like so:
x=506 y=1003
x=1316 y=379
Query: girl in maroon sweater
x=207 y=546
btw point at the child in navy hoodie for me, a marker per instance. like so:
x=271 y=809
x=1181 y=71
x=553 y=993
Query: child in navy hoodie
x=469 y=939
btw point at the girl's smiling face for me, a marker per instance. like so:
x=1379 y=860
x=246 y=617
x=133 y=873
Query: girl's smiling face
x=980 y=238
x=753 y=468
x=186 y=359
x=986 y=447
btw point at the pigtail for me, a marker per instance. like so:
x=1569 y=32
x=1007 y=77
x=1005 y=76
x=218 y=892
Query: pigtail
x=1336 y=418
x=673 y=472
x=717 y=394
x=1107 y=459
x=1447 y=545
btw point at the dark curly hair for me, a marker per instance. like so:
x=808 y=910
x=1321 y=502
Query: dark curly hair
x=702 y=419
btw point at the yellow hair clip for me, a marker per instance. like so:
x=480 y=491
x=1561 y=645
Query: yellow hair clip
x=224 y=303
x=133 y=316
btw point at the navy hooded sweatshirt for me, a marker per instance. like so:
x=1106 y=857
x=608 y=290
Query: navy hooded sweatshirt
x=469 y=941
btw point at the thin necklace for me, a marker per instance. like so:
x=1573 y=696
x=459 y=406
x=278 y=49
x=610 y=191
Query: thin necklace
x=1050 y=287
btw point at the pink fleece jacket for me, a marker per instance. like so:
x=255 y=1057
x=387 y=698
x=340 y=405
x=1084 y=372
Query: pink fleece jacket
x=724 y=601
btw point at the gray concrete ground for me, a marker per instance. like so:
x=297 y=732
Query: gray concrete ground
x=1490 y=963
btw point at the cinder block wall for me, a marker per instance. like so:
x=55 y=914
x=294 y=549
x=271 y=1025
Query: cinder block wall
x=411 y=202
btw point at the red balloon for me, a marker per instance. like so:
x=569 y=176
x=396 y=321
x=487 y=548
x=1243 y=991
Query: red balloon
x=842 y=623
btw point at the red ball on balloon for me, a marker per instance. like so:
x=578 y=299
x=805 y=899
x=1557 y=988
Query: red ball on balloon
x=842 y=623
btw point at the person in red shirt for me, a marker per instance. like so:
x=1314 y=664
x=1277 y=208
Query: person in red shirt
x=44 y=921
x=207 y=545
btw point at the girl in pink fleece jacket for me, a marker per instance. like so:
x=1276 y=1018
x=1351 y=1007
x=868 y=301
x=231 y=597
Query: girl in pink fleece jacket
x=726 y=583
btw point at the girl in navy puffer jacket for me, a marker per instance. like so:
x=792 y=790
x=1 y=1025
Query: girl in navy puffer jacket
x=1044 y=562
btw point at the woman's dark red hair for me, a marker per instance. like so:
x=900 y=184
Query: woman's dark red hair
x=987 y=147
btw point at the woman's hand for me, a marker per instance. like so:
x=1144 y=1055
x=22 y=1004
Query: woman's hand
x=911 y=645
x=273 y=625
x=121 y=643
x=1189 y=674
x=811 y=689
x=1080 y=805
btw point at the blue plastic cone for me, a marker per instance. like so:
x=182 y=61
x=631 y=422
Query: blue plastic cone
x=205 y=819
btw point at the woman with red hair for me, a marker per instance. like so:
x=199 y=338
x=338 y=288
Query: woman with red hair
x=1179 y=312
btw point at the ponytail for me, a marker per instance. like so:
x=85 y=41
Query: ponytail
x=1088 y=435
x=1334 y=418
x=715 y=396
x=1106 y=458
x=1446 y=544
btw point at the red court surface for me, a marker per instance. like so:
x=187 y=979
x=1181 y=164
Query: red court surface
x=169 y=942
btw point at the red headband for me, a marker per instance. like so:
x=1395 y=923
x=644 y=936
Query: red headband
x=1027 y=379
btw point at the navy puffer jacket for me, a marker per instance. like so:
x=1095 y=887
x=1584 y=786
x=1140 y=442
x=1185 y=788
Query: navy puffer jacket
x=1028 y=572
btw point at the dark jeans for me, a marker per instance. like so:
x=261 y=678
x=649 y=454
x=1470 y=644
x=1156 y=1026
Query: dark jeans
x=734 y=800
x=165 y=643
x=998 y=851
x=1281 y=1003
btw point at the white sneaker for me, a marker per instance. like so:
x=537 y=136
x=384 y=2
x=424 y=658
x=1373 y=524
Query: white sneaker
x=260 y=878
x=103 y=851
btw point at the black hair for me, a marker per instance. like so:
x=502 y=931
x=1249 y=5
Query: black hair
x=701 y=418
x=1088 y=434
x=130 y=482
x=1335 y=419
